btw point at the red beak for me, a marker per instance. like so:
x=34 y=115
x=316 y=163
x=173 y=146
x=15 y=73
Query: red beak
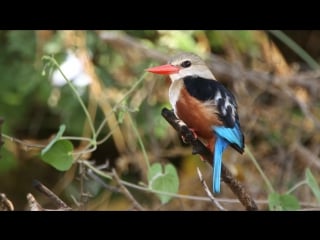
x=164 y=69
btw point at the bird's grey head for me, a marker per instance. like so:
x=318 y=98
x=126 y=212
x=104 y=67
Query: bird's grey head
x=189 y=64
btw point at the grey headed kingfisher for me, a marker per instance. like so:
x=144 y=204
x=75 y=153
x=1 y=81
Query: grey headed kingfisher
x=205 y=105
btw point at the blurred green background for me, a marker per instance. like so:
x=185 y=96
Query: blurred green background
x=279 y=116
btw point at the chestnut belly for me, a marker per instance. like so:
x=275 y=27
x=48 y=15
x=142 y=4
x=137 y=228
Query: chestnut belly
x=197 y=115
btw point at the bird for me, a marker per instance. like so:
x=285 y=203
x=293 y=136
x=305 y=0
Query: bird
x=205 y=105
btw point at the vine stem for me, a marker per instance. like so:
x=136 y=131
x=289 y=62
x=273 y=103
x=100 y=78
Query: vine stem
x=74 y=90
x=253 y=159
x=134 y=127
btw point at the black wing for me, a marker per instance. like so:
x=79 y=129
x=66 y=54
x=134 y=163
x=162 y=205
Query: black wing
x=211 y=90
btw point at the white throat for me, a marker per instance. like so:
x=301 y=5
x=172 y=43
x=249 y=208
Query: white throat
x=174 y=92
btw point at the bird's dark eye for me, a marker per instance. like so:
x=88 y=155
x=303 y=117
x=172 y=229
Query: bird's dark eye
x=186 y=64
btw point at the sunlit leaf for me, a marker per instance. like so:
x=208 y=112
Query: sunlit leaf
x=56 y=138
x=289 y=202
x=59 y=155
x=283 y=202
x=165 y=180
x=312 y=183
x=274 y=201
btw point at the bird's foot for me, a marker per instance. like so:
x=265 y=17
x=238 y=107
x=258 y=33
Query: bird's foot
x=189 y=134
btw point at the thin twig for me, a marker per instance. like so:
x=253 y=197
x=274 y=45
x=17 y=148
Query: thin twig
x=23 y=143
x=84 y=196
x=33 y=203
x=256 y=164
x=101 y=182
x=94 y=171
x=46 y=191
x=5 y=203
x=205 y=186
x=106 y=175
x=198 y=147
x=126 y=192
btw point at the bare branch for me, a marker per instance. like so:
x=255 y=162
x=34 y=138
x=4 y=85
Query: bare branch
x=33 y=204
x=24 y=144
x=97 y=179
x=5 y=203
x=198 y=148
x=46 y=191
x=205 y=186
x=126 y=192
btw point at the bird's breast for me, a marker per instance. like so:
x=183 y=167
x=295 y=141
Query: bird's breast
x=174 y=93
x=198 y=115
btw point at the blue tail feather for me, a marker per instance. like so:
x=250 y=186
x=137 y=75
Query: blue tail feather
x=225 y=136
x=232 y=135
x=220 y=146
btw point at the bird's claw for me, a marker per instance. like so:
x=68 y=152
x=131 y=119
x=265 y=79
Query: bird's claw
x=188 y=134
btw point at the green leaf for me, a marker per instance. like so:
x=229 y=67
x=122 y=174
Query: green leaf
x=59 y=155
x=283 y=202
x=289 y=202
x=312 y=183
x=165 y=181
x=56 y=138
x=274 y=201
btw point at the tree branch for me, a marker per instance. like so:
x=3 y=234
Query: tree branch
x=198 y=147
x=46 y=191
x=5 y=203
x=126 y=192
x=206 y=189
x=33 y=203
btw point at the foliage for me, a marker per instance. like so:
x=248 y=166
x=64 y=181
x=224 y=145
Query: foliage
x=163 y=178
x=115 y=121
x=312 y=183
x=58 y=153
x=283 y=202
